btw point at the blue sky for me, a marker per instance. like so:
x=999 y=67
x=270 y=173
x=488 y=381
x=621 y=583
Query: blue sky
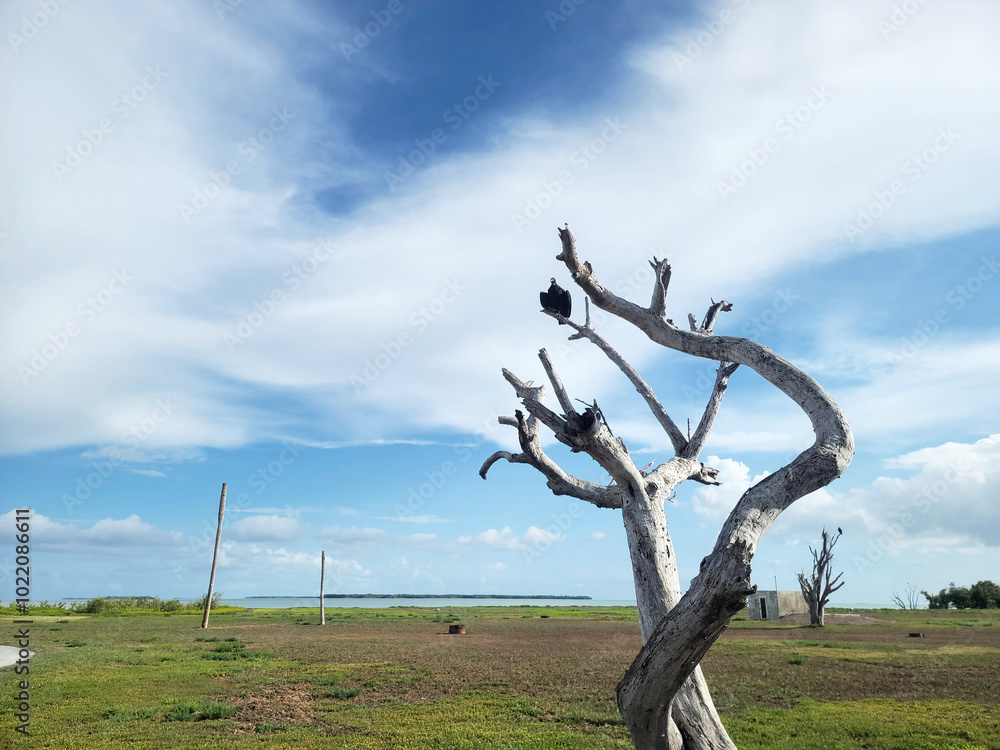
x=291 y=246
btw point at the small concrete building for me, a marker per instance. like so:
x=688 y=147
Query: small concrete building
x=771 y=605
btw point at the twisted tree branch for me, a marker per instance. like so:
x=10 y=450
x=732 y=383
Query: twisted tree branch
x=558 y=480
x=677 y=438
x=557 y=385
x=711 y=410
x=677 y=630
x=687 y=631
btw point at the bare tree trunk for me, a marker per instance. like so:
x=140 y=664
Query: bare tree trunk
x=695 y=724
x=322 y=581
x=692 y=722
x=215 y=558
x=817 y=613
x=663 y=697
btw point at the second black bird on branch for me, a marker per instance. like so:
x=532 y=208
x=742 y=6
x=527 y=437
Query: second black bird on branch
x=556 y=300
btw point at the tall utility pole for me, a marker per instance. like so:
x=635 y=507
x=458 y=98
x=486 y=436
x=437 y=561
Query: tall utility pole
x=322 y=581
x=215 y=557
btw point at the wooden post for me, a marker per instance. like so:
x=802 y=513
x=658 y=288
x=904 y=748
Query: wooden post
x=322 y=580
x=215 y=557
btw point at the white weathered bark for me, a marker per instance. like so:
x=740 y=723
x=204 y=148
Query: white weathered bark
x=696 y=724
x=663 y=697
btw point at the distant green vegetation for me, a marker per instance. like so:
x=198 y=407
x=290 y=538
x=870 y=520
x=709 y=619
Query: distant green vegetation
x=100 y=605
x=981 y=595
x=103 y=605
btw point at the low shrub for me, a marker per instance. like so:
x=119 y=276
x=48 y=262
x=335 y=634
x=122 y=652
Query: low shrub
x=342 y=694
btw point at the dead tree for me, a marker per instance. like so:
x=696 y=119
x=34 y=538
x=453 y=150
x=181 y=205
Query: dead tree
x=912 y=597
x=663 y=696
x=816 y=589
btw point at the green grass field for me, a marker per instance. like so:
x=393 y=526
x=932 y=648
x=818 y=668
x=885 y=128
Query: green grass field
x=523 y=677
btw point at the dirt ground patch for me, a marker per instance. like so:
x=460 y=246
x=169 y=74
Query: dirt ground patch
x=880 y=632
x=279 y=705
x=833 y=619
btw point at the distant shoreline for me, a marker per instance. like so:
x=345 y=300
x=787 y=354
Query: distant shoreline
x=425 y=596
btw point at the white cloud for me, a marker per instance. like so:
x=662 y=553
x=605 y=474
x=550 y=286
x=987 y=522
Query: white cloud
x=929 y=518
x=119 y=456
x=598 y=535
x=251 y=564
x=951 y=379
x=716 y=502
x=265 y=529
x=131 y=530
x=127 y=532
x=369 y=538
x=888 y=99
x=342 y=572
x=505 y=538
x=542 y=537
x=949 y=494
x=655 y=190
x=948 y=500
x=415 y=519
x=283 y=557
x=421 y=538
x=353 y=535
x=407 y=573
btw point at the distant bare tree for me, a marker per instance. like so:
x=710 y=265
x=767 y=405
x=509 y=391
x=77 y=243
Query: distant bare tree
x=663 y=697
x=817 y=587
x=911 y=598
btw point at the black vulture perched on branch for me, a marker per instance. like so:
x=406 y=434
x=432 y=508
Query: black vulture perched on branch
x=556 y=300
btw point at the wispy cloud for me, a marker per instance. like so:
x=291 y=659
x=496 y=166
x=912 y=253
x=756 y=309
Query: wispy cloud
x=505 y=538
x=948 y=493
x=124 y=534
x=148 y=472
x=166 y=339
x=415 y=519
x=353 y=535
x=260 y=528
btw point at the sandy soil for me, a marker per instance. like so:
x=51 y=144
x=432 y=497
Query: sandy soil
x=9 y=655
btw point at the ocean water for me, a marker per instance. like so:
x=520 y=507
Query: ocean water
x=313 y=601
